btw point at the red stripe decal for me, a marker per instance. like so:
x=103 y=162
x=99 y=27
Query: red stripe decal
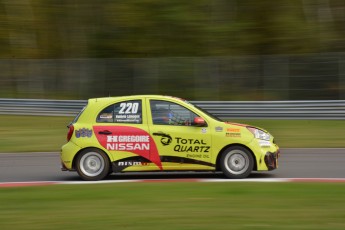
x=129 y=139
x=24 y=184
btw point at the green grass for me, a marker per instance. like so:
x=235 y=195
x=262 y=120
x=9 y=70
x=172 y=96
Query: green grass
x=32 y=133
x=304 y=133
x=35 y=133
x=175 y=206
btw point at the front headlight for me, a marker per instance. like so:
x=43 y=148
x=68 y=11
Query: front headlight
x=259 y=134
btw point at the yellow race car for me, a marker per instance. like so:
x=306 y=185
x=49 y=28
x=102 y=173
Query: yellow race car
x=162 y=133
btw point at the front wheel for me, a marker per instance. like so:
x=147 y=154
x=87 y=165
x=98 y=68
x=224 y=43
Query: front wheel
x=92 y=164
x=236 y=162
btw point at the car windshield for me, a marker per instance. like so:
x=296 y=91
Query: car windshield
x=206 y=112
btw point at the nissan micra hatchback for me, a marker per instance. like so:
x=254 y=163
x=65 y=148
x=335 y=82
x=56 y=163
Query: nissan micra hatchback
x=161 y=133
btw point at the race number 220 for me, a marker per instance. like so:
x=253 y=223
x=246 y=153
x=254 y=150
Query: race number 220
x=129 y=108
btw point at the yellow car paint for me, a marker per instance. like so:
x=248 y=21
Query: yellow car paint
x=157 y=133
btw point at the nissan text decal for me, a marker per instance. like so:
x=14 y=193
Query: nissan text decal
x=130 y=139
x=128 y=143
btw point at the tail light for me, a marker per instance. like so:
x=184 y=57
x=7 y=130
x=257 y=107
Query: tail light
x=70 y=132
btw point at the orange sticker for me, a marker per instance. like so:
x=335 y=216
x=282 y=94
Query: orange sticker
x=233 y=130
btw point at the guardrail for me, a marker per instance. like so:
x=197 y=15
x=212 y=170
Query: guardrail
x=276 y=109
x=334 y=109
x=41 y=107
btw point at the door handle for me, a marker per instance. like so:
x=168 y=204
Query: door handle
x=160 y=134
x=105 y=132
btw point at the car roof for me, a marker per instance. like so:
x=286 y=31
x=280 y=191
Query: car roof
x=106 y=99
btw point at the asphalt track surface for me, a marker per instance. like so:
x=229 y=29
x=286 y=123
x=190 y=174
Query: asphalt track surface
x=293 y=163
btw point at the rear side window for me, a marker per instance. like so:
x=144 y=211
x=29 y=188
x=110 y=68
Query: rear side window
x=123 y=112
x=79 y=114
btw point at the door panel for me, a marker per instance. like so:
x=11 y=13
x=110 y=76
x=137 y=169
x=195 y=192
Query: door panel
x=181 y=145
x=131 y=147
x=123 y=131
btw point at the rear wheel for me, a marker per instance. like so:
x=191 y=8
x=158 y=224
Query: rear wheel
x=236 y=162
x=92 y=164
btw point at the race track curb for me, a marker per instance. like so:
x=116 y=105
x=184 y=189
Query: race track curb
x=45 y=183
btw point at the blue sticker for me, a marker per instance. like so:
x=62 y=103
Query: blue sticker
x=83 y=132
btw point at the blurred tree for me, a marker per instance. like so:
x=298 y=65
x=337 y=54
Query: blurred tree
x=153 y=28
x=64 y=33
x=19 y=30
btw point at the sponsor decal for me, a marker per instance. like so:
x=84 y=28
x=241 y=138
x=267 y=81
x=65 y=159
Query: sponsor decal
x=198 y=156
x=233 y=130
x=130 y=163
x=203 y=130
x=129 y=108
x=120 y=165
x=166 y=138
x=192 y=149
x=106 y=116
x=191 y=145
x=233 y=134
x=128 y=113
x=83 y=132
x=189 y=141
x=129 y=139
x=219 y=129
x=128 y=118
x=185 y=145
x=128 y=143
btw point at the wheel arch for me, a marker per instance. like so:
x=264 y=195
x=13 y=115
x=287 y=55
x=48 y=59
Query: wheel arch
x=232 y=145
x=87 y=148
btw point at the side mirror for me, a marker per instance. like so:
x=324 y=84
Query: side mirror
x=199 y=122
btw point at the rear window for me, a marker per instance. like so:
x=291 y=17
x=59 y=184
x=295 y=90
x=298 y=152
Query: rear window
x=123 y=112
x=77 y=117
x=79 y=114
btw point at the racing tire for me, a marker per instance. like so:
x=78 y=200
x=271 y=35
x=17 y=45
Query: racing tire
x=92 y=164
x=236 y=162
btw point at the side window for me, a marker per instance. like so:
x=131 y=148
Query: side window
x=122 y=112
x=169 y=113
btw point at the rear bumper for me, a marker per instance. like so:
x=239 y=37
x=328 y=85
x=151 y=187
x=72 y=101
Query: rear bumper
x=271 y=159
x=68 y=151
x=63 y=167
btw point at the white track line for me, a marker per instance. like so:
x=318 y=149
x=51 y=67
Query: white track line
x=265 y=180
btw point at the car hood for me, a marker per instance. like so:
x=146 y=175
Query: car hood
x=244 y=125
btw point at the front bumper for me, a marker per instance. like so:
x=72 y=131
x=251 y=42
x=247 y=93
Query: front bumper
x=271 y=159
